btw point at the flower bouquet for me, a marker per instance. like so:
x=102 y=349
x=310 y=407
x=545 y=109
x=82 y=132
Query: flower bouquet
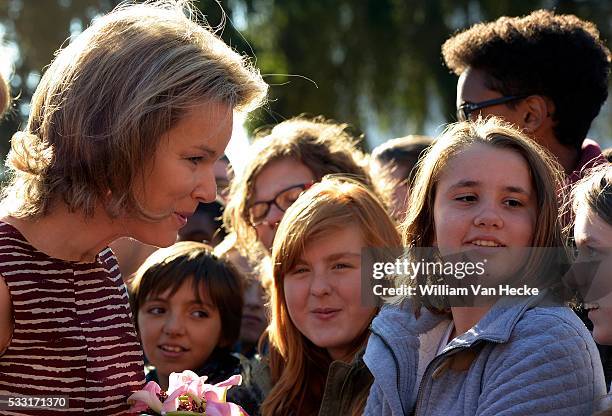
x=187 y=395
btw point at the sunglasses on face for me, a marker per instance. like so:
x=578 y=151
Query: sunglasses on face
x=283 y=200
x=467 y=108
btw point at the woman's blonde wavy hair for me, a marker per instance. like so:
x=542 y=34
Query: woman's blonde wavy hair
x=104 y=103
x=298 y=367
x=418 y=228
x=324 y=146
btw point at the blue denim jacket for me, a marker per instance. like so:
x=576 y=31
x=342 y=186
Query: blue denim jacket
x=523 y=359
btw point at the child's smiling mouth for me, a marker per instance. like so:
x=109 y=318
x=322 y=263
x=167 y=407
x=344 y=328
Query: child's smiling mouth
x=484 y=241
x=172 y=350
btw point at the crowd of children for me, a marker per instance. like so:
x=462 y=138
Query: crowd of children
x=123 y=140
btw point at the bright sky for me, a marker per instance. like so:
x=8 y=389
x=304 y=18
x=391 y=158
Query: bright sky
x=237 y=148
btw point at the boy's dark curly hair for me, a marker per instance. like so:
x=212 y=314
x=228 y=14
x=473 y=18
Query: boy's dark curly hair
x=557 y=56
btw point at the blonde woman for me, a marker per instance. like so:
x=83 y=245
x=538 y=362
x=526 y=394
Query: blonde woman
x=123 y=133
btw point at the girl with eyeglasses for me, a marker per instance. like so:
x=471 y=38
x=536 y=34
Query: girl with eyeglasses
x=285 y=162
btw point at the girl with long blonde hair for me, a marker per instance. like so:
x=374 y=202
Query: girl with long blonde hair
x=489 y=192
x=319 y=323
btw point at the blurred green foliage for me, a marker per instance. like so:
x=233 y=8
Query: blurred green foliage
x=373 y=63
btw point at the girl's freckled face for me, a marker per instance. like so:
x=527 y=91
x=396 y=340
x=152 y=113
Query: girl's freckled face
x=485 y=203
x=323 y=292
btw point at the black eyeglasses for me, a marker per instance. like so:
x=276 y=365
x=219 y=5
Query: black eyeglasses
x=283 y=200
x=465 y=109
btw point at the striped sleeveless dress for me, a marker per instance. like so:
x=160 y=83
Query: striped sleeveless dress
x=73 y=332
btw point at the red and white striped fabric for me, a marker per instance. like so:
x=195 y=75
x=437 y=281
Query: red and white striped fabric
x=73 y=332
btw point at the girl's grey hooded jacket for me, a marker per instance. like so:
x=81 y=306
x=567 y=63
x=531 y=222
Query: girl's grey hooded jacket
x=522 y=359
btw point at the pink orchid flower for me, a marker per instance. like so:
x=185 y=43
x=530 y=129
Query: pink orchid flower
x=146 y=398
x=182 y=379
x=188 y=384
x=224 y=409
x=218 y=392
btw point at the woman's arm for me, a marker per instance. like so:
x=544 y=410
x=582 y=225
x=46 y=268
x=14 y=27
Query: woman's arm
x=6 y=316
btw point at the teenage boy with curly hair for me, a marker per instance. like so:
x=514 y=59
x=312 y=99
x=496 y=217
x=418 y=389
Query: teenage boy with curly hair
x=546 y=73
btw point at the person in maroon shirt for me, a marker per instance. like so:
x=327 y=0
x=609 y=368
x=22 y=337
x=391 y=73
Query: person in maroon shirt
x=124 y=130
x=545 y=73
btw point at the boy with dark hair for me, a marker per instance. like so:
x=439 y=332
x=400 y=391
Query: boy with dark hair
x=546 y=73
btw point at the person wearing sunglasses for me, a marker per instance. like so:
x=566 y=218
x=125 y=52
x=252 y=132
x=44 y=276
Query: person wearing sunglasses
x=286 y=161
x=545 y=73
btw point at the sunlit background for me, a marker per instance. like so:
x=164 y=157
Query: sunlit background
x=374 y=64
